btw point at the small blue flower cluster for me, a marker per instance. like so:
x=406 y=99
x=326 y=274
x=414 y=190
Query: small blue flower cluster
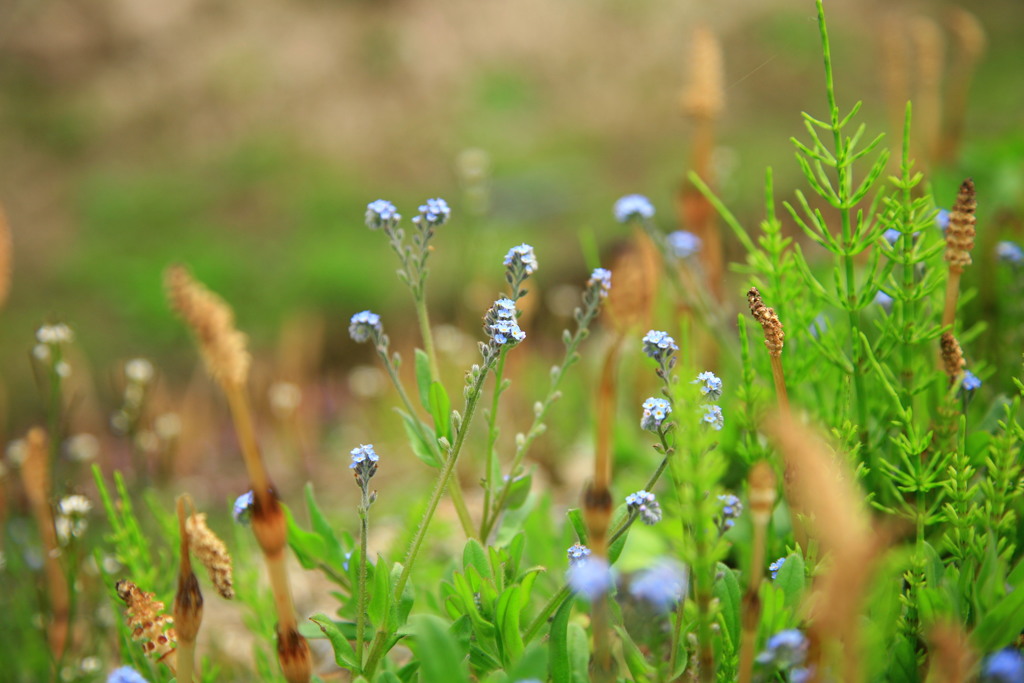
x=683 y=244
x=646 y=505
x=971 y=381
x=661 y=347
x=521 y=258
x=1010 y=252
x=125 y=674
x=1005 y=666
x=713 y=417
x=942 y=220
x=381 y=214
x=591 y=577
x=364 y=326
x=661 y=585
x=243 y=507
x=655 y=412
x=786 y=650
x=711 y=386
x=633 y=206
x=434 y=213
x=731 y=510
x=884 y=300
x=577 y=552
x=364 y=464
x=600 y=281
x=775 y=566
x=500 y=323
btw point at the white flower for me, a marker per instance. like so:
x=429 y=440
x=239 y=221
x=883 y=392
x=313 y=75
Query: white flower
x=138 y=370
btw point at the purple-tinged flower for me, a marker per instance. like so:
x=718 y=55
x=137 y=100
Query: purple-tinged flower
x=242 y=509
x=713 y=417
x=784 y=650
x=942 y=220
x=364 y=466
x=1010 y=252
x=591 y=577
x=658 y=345
x=710 y=385
x=683 y=244
x=125 y=674
x=381 y=214
x=600 y=281
x=364 y=326
x=731 y=510
x=434 y=213
x=646 y=505
x=662 y=585
x=971 y=381
x=884 y=300
x=775 y=566
x=655 y=412
x=521 y=258
x=633 y=206
x=801 y=674
x=892 y=235
x=1005 y=666
x=577 y=553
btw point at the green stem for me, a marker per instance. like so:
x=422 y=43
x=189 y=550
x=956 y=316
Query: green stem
x=364 y=528
x=492 y=436
x=378 y=649
x=428 y=338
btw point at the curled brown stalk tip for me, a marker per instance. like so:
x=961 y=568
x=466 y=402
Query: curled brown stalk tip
x=773 y=334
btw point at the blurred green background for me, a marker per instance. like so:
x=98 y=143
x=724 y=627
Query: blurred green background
x=245 y=139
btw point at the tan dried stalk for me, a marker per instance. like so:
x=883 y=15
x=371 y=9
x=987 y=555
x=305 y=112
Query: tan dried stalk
x=212 y=553
x=762 y=493
x=637 y=268
x=950 y=658
x=6 y=258
x=929 y=49
x=223 y=348
x=959 y=243
x=151 y=628
x=188 y=604
x=35 y=477
x=839 y=522
x=968 y=47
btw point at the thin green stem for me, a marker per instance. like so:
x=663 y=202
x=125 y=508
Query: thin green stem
x=428 y=337
x=492 y=436
x=472 y=399
x=364 y=530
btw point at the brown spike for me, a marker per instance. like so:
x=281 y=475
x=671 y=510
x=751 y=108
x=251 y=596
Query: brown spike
x=150 y=627
x=212 y=553
x=960 y=233
x=773 y=334
x=952 y=355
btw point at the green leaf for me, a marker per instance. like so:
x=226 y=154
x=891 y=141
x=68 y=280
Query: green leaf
x=615 y=549
x=441 y=409
x=335 y=554
x=727 y=590
x=518 y=491
x=423 y=378
x=533 y=664
x=380 y=598
x=558 y=644
x=307 y=546
x=387 y=677
x=438 y=651
x=473 y=555
x=579 y=526
x=421 y=448
x=344 y=655
x=507 y=617
x=1002 y=623
x=791 y=579
x=635 y=660
x=579 y=654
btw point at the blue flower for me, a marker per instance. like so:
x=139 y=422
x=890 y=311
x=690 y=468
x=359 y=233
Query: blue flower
x=522 y=257
x=818 y=325
x=713 y=417
x=884 y=300
x=364 y=453
x=775 y=566
x=381 y=213
x=591 y=577
x=942 y=220
x=1005 y=666
x=601 y=281
x=646 y=505
x=658 y=345
x=125 y=674
x=364 y=326
x=633 y=206
x=731 y=510
x=971 y=381
x=434 y=213
x=655 y=412
x=507 y=332
x=243 y=507
x=784 y=650
x=1009 y=252
x=801 y=674
x=711 y=386
x=683 y=244
x=662 y=585
x=577 y=552
x=892 y=235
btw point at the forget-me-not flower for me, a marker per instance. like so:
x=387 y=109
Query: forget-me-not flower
x=125 y=674
x=662 y=585
x=434 y=213
x=381 y=214
x=731 y=509
x=646 y=505
x=364 y=326
x=784 y=650
x=522 y=257
x=633 y=206
x=1005 y=666
x=242 y=509
x=1009 y=252
x=683 y=244
x=713 y=417
x=884 y=300
x=600 y=281
x=591 y=577
x=710 y=385
x=775 y=566
x=655 y=412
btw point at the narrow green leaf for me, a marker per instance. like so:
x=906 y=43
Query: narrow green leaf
x=579 y=526
x=518 y=491
x=533 y=664
x=423 y=378
x=508 y=623
x=420 y=447
x=344 y=655
x=307 y=546
x=727 y=590
x=441 y=409
x=635 y=660
x=473 y=555
x=380 y=598
x=579 y=654
x=558 y=644
x=438 y=652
